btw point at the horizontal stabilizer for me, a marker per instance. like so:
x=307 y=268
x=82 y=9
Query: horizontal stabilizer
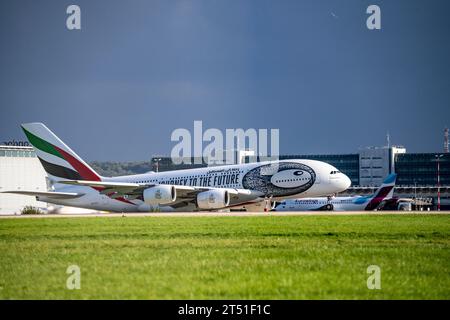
x=49 y=194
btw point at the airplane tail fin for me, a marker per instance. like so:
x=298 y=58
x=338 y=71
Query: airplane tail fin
x=384 y=192
x=58 y=160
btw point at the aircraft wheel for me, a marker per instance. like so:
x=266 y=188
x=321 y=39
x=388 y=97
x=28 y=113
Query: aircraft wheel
x=329 y=207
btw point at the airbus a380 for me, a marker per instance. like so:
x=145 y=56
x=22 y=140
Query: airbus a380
x=357 y=203
x=248 y=186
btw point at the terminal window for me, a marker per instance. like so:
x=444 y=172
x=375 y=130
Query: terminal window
x=17 y=153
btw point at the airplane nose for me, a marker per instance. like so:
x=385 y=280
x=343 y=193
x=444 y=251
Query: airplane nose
x=341 y=182
x=338 y=181
x=346 y=181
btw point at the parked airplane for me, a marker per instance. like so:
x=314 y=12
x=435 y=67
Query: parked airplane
x=250 y=186
x=358 y=203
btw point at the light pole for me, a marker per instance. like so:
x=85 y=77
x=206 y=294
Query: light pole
x=438 y=159
x=415 y=189
x=157 y=160
x=415 y=194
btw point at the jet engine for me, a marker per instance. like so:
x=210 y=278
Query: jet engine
x=160 y=195
x=213 y=199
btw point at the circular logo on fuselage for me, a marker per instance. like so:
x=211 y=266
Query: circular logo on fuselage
x=290 y=178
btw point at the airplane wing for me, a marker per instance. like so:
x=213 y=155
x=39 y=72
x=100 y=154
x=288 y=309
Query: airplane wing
x=49 y=194
x=186 y=195
x=108 y=187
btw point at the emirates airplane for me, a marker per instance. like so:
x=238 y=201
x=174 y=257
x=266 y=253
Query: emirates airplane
x=357 y=203
x=253 y=186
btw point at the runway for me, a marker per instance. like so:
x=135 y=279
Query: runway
x=217 y=214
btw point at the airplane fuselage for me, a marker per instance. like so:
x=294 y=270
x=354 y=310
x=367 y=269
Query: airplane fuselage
x=355 y=203
x=324 y=203
x=275 y=180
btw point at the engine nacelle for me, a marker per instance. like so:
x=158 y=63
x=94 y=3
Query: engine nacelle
x=213 y=199
x=160 y=195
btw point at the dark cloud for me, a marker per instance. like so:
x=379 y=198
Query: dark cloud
x=138 y=70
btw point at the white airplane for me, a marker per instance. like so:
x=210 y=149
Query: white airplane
x=357 y=203
x=251 y=186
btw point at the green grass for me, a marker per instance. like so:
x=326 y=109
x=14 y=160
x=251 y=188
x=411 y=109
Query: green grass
x=265 y=257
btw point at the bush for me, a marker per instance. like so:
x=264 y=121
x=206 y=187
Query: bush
x=30 y=210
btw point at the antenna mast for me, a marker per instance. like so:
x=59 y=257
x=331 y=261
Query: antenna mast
x=388 y=139
x=446 y=140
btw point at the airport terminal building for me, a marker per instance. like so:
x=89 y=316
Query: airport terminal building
x=370 y=166
x=20 y=169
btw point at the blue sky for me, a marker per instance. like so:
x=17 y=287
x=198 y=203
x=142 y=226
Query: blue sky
x=140 y=69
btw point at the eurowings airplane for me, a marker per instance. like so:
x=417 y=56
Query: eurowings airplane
x=251 y=186
x=358 y=203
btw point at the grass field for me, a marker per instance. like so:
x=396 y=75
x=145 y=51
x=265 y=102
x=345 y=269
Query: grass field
x=266 y=257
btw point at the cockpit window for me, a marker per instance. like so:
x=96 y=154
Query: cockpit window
x=335 y=172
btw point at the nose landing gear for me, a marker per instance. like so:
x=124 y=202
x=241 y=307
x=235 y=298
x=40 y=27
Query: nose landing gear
x=329 y=206
x=269 y=204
